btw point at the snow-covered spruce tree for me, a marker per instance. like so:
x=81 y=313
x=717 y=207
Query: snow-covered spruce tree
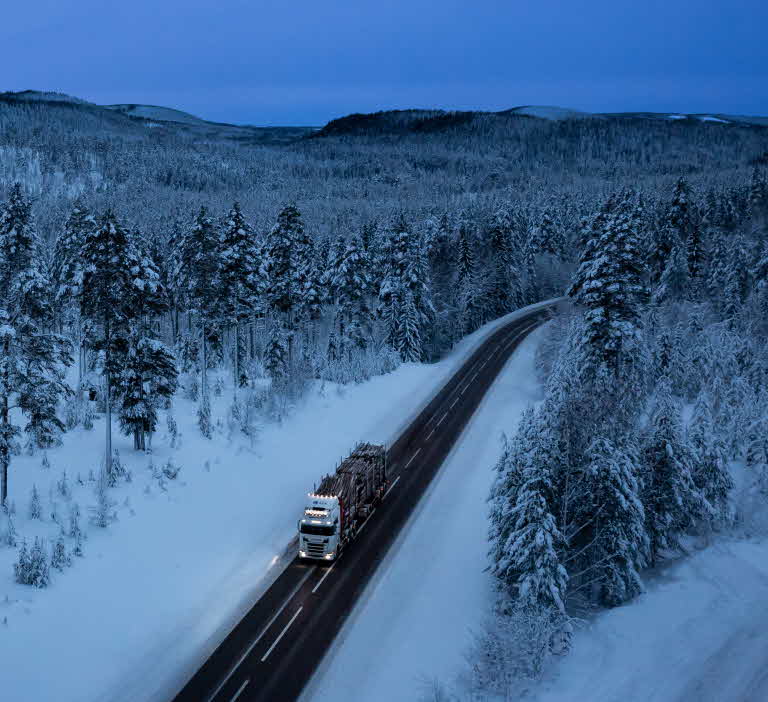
x=710 y=465
x=609 y=285
x=674 y=230
x=674 y=281
x=32 y=567
x=506 y=485
x=407 y=334
x=613 y=527
x=670 y=498
x=67 y=271
x=241 y=282
x=351 y=287
x=104 y=294
x=148 y=375
x=505 y=287
x=197 y=277
x=526 y=559
x=545 y=238
x=32 y=357
x=284 y=248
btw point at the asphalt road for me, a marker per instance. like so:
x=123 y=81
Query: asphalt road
x=274 y=650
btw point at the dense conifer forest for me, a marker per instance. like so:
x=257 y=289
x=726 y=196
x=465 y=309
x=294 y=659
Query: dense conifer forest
x=138 y=256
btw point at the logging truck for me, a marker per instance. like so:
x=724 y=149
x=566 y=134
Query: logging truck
x=342 y=502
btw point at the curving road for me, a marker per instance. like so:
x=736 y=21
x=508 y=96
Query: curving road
x=274 y=650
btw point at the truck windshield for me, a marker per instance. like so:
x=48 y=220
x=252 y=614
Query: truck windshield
x=316 y=530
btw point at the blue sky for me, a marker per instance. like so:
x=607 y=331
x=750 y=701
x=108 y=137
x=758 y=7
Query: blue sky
x=271 y=62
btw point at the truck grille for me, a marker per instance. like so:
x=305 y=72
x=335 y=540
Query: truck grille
x=315 y=550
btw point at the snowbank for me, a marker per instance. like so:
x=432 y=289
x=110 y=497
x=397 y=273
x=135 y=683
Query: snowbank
x=413 y=623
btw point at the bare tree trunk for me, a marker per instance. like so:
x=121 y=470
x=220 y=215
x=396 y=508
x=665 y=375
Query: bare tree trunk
x=237 y=357
x=108 y=417
x=108 y=400
x=204 y=362
x=5 y=457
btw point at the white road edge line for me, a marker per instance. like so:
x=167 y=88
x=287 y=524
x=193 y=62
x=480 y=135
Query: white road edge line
x=454 y=403
x=261 y=635
x=240 y=690
x=390 y=488
x=412 y=457
x=365 y=522
x=282 y=633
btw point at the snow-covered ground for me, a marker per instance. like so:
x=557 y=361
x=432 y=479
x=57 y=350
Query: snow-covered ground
x=699 y=634
x=415 y=619
x=160 y=587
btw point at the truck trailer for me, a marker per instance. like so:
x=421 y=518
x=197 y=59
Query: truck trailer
x=342 y=502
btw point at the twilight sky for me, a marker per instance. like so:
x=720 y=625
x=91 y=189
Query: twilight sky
x=303 y=63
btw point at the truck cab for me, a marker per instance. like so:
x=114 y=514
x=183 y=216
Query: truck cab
x=320 y=528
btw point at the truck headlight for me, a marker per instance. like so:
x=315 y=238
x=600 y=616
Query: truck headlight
x=328 y=556
x=302 y=554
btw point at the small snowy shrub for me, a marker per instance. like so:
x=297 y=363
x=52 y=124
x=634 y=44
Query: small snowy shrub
x=170 y=470
x=62 y=486
x=7 y=529
x=32 y=568
x=35 y=508
x=204 y=418
x=60 y=559
x=102 y=514
x=173 y=430
x=45 y=464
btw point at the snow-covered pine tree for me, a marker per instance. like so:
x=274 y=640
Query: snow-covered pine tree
x=197 y=274
x=509 y=478
x=465 y=257
x=148 y=375
x=505 y=287
x=674 y=230
x=710 y=465
x=276 y=356
x=32 y=357
x=351 y=285
x=609 y=285
x=527 y=558
x=545 y=237
x=104 y=294
x=240 y=280
x=670 y=498
x=67 y=270
x=408 y=336
x=613 y=526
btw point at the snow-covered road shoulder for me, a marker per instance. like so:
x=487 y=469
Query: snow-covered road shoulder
x=414 y=621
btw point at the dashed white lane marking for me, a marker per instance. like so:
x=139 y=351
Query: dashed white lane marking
x=261 y=635
x=325 y=575
x=429 y=436
x=441 y=419
x=240 y=690
x=412 y=457
x=453 y=404
x=282 y=633
x=390 y=487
